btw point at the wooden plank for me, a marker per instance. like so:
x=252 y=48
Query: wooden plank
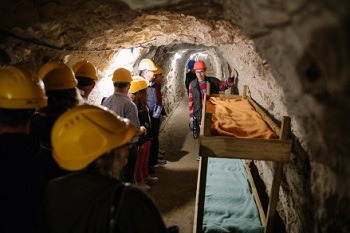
x=277 y=177
x=276 y=182
x=285 y=128
x=208 y=88
x=245 y=90
x=207 y=124
x=246 y=148
x=200 y=195
x=265 y=117
x=256 y=196
x=202 y=123
x=226 y=96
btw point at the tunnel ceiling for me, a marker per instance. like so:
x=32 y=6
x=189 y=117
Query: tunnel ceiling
x=95 y=25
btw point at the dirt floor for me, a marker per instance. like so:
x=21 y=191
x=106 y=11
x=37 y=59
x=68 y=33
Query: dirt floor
x=175 y=192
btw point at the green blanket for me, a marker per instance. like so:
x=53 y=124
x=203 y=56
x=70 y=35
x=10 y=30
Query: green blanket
x=229 y=205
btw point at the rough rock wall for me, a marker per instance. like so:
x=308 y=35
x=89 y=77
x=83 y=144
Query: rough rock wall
x=305 y=46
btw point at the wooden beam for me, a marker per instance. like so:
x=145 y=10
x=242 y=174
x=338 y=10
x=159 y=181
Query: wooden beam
x=277 y=177
x=256 y=196
x=226 y=96
x=207 y=124
x=246 y=148
x=202 y=121
x=208 y=88
x=245 y=90
x=200 y=195
x=285 y=128
x=265 y=117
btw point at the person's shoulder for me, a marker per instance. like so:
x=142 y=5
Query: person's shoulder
x=107 y=100
x=194 y=81
x=130 y=103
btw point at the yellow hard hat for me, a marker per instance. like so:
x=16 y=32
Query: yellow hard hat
x=121 y=75
x=57 y=76
x=138 y=83
x=147 y=64
x=158 y=71
x=21 y=89
x=84 y=133
x=85 y=69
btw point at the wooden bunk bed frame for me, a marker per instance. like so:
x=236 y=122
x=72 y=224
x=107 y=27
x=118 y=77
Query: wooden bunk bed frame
x=275 y=150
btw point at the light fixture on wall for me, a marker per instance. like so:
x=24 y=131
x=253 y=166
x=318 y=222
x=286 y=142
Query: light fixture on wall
x=123 y=58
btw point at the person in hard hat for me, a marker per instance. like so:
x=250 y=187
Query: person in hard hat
x=147 y=71
x=122 y=105
x=25 y=166
x=198 y=87
x=61 y=89
x=156 y=122
x=86 y=74
x=93 y=143
x=138 y=94
x=190 y=75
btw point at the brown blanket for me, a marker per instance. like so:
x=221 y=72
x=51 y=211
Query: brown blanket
x=237 y=118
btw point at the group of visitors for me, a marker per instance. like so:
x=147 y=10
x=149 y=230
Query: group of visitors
x=139 y=99
x=73 y=167
x=62 y=158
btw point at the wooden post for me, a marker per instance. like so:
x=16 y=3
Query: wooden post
x=207 y=124
x=265 y=117
x=277 y=177
x=256 y=195
x=208 y=88
x=203 y=120
x=200 y=194
x=245 y=90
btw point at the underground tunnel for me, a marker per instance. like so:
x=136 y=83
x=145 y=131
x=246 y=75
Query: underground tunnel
x=292 y=55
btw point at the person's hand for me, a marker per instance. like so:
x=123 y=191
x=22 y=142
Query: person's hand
x=234 y=73
x=143 y=130
x=191 y=119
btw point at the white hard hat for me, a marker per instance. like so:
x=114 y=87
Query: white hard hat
x=147 y=64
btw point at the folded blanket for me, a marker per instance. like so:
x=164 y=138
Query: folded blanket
x=229 y=205
x=237 y=118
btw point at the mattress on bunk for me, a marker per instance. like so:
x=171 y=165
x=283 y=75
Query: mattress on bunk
x=237 y=118
x=229 y=205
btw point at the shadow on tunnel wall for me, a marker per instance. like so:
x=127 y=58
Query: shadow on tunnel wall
x=278 y=225
x=296 y=185
x=324 y=73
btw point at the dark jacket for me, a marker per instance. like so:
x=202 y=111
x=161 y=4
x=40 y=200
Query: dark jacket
x=25 y=171
x=82 y=203
x=190 y=76
x=196 y=94
x=145 y=121
x=40 y=128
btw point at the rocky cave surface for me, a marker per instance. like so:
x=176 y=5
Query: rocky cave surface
x=293 y=55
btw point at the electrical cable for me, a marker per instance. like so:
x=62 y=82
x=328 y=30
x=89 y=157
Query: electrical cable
x=47 y=45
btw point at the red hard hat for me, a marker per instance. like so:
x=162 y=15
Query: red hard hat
x=199 y=65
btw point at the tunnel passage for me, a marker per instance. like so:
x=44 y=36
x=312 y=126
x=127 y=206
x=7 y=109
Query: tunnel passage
x=276 y=48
